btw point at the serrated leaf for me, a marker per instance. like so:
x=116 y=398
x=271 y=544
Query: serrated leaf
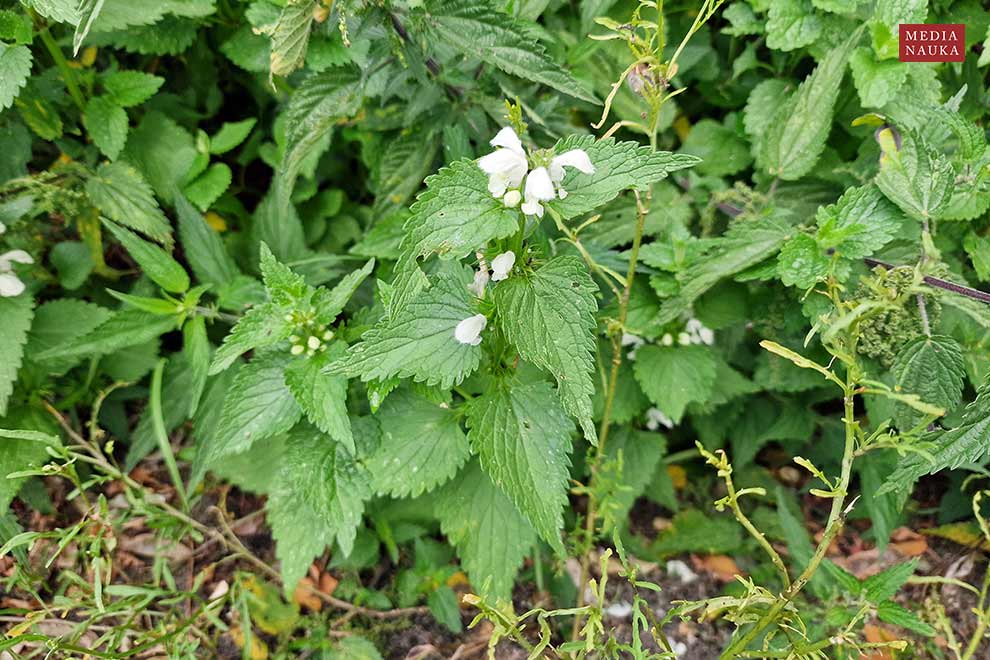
x=745 y=244
x=802 y=263
x=261 y=326
x=418 y=342
x=549 y=316
x=792 y=24
x=315 y=106
x=673 y=377
x=258 y=405
x=761 y=107
x=291 y=36
x=322 y=397
x=877 y=81
x=203 y=247
x=123 y=195
x=480 y=31
x=795 y=138
x=163 y=152
x=892 y=613
x=721 y=150
x=422 y=447
x=63 y=11
x=88 y=13
x=618 y=166
x=156 y=263
x=130 y=88
x=934 y=369
x=859 y=224
x=15 y=321
x=403 y=166
x=20 y=449
x=15 y=68
x=522 y=437
x=456 y=214
x=59 y=322
x=882 y=586
x=491 y=536
x=122 y=330
x=106 y=124
x=331 y=303
x=915 y=177
x=209 y=185
x=230 y=135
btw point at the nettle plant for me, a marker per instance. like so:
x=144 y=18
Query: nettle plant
x=506 y=359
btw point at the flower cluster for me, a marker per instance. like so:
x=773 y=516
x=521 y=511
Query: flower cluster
x=469 y=330
x=508 y=167
x=310 y=337
x=694 y=332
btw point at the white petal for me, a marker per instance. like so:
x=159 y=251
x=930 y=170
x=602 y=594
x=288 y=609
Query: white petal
x=707 y=336
x=667 y=340
x=19 y=256
x=683 y=339
x=497 y=184
x=539 y=186
x=502 y=161
x=507 y=138
x=576 y=158
x=631 y=340
x=502 y=265
x=10 y=286
x=532 y=208
x=477 y=287
x=512 y=199
x=469 y=330
x=3 y=228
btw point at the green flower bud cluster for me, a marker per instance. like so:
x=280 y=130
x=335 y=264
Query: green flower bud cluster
x=882 y=335
x=310 y=336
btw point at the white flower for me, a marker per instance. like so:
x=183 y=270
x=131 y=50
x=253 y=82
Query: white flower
x=477 y=287
x=683 y=338
x=10 y=284
x=699 y=333
x=539 y=188
x=655 y=419
x=3 y=228
x=667 y=340
x=507 y=165
x=576 y=158
x=502 y=265
x=469 y=330
x=512 y=199
x=634 y=341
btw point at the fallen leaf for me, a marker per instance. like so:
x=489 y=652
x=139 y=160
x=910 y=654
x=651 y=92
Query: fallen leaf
x=678 y=477
x=328 y=584
x=908 y=543
x=304 y=595
x=722 y=567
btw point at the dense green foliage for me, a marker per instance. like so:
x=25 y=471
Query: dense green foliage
x=257 y=239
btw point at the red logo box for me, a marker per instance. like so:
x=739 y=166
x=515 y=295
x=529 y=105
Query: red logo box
x=932 y=43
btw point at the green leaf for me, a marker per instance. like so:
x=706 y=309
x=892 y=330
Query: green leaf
x=859 y=224
x=15 y=321
x=762 y=106
x=124 y=196
x=258 y=405
x=122 y=330
x=322 y=397
x=884 y=585
x=156 y=263
x=62 y=11
x=291 y=36
x=721 y=150
x=130 y=88
x=480 y=31
x=196 y=354
x=163 y=151
x=208 y=186
x=877 y=81
x=88 y=12
x=261 y=326
x=522 y=437
x=331 y=303
x=891 y=612
x=549 y=316
x=456 y=214
x=934 y=369
x=418 y=342
x=15 y=68
x=915 y=177
x=422 y=447
x=315 y=106
x=745 y=244
x=59 y=322
x=353 y=648
x=230 y=135
x=403 y=166
x=203 y=248
x=20 y=449
x=618 y=166
x=491 y=536
x=106 y=123
x=673 y=377
x=694 y=531
x=795 y=138
x=444 y=608
x=802 y=262
x=792 y=24
x=74 y=263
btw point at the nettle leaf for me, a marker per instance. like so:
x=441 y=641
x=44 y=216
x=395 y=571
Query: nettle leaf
x=802 y=262
x=673 y=376
x=745 y=244
x=795 y=138
x=258 y=405
x=619 y=166
x=59 y=322
x=203 y=247
x=877 y=81
x=890 y=612
x=522 y=437
x=418 y=341
x=230 y=135
x=491 y=536
x=205 y=189
x=291 y=36
x=456 y=214
x=934 y=369
x=314 y=108
x=400 y=172
x=422 y=447
x=549 y=316
x=915 y=177
x=722 y=151
x=762 y=106
x=155 y=262
x=859 y=224
x=479 y=30
x=967 y=443
x=261 y=326
x=882 y=586
x=322 y=397
x=123 y=195
x=792 y=24
x=124 y=329
x=331 y=303
x=130 y=88
x=15 y=321
x=106 y=124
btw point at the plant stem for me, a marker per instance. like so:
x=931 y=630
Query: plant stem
x=68 y=75
x=158 y=424
x=981 y=626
